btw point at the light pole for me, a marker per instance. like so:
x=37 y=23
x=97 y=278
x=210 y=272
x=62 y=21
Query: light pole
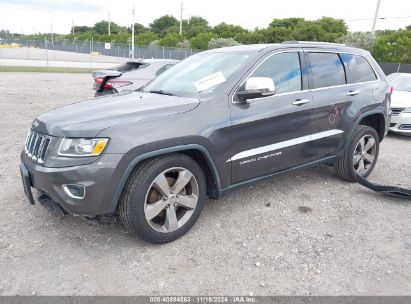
x=132 y=35
x=375 y=17
x=52 y=38
x=181 y=18
x=109 y=33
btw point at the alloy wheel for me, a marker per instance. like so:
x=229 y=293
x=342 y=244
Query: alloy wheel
x=171 y=199
x=364 y=154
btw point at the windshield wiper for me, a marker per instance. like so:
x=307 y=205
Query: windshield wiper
x=161 y=92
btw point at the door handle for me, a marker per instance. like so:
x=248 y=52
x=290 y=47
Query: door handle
x=300 y=102
x=353 y=93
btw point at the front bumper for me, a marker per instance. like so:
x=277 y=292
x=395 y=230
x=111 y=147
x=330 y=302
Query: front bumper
x=98 y=178
x=401 y=124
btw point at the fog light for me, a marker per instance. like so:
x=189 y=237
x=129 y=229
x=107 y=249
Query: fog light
x=75 y=191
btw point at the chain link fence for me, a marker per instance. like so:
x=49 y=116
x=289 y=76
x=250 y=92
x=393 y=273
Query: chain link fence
x=104 y=49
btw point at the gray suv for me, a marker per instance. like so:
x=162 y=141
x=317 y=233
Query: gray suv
x=218 y=120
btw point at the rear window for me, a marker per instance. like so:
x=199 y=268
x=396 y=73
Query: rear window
x=359 y=68
x=327 y=70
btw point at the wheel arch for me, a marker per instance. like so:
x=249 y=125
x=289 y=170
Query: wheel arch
x=195 y=151
x=375 y=121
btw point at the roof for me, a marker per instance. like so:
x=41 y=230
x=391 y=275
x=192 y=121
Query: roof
x=285 y=44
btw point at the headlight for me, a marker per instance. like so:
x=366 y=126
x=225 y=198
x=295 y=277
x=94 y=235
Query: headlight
x=407 y=110
x=80 y=147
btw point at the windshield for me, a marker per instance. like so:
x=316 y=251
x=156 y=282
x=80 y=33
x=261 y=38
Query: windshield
x=402 y=83
x=199 y=75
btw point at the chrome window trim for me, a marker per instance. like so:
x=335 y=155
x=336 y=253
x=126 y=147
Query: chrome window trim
x=309 y=90
x=297 y=50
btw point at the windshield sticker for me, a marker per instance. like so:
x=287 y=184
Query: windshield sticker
x=209 y=81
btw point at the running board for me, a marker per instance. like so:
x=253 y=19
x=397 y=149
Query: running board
x=387 y=190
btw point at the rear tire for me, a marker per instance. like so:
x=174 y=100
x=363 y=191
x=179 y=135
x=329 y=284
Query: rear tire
x=360 y=156
x=163 y=198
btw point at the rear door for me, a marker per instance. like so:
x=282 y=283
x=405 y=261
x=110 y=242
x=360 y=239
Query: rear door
x=331 y=98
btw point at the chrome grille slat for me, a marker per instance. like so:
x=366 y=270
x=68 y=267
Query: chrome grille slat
x=397 y=111
x=29 y=143
x=40 y=149
x=31 y=146
x=36 y=146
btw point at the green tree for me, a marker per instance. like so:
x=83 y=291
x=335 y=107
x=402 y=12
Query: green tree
x=171 y=40
x=332 y=28
x=216 y=43
x=160 y=25
x=277 y=34
x=145 y=38
x=309 y=31
x=200 y=41
x=185 y=44
x=102 y=27
x=82 y=29
x=287 y=22
x=138 y=29
x=194 y=26
x=393 y=47
x=363 y=40
x=224 y=30
x=253 y=37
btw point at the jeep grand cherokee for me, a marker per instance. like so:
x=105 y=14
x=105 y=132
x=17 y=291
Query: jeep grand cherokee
x=215 y=121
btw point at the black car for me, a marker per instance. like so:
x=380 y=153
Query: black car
x=218 y=120
x=129 y=76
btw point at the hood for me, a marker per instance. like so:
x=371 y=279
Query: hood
x=90 y=117
x=401 y=99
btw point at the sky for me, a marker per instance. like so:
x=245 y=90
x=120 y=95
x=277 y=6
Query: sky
x=30 y=16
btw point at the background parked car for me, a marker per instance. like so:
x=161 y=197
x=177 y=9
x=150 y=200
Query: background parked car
x=131 y=75
x=401 y=103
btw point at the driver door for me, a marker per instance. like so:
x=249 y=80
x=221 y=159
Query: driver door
x=270 y=134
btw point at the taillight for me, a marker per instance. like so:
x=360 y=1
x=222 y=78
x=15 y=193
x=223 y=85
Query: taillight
x=110 y=84
x=391 y=90
x=116 y=83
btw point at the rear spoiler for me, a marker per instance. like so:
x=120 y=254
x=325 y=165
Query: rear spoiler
x=387 y=190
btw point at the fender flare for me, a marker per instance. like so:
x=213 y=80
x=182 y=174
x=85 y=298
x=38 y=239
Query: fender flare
x=133 y=163
x=357 y=123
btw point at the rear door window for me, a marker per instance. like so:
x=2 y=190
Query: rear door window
x=327 y=70
x=359 y=68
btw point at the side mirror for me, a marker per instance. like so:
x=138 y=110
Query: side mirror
x=257 y=87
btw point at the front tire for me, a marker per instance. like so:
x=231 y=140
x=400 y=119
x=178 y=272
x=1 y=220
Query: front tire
x=163 y=198
x=360 y=156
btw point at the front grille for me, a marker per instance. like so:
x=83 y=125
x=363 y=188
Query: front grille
x=405 y=127
x=397 y=111
x=36 y=146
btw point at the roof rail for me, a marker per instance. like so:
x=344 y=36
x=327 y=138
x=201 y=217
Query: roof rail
x=312 y=42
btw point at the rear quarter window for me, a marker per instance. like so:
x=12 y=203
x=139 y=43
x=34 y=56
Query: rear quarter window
x=359 y=68
x=327 y=70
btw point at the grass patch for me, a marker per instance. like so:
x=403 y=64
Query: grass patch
x=45 y=69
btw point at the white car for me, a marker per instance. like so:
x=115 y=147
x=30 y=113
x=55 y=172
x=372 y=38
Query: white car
x=401 y=103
